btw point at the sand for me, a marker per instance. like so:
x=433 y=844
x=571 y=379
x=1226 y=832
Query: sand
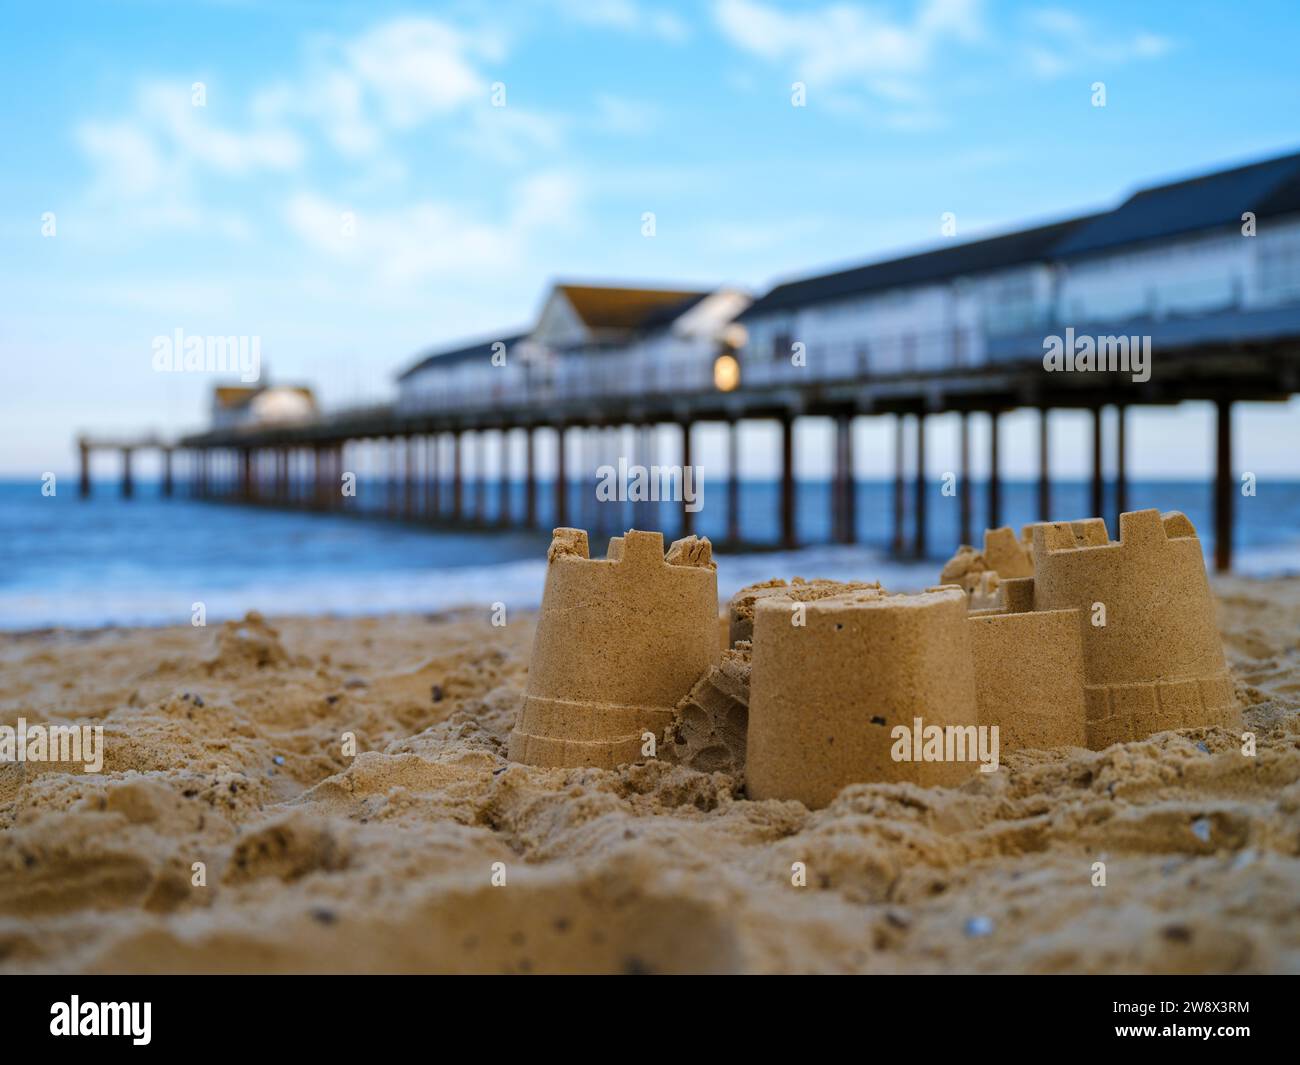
x=224 y=746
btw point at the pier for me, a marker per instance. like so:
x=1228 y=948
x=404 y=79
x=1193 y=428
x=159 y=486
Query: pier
x=302 y=465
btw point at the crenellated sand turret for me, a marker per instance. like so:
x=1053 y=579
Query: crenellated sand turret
x=1152 y=655
x=619 y=642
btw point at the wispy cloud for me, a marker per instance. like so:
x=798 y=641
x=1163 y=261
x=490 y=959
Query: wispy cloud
x=395 y=76
x=842 y=44
x=408 y=244
x=148 y=166
x=843 y=50
x=332 y=122
x=166 y=139
x=1061 y=42
x=627 y=16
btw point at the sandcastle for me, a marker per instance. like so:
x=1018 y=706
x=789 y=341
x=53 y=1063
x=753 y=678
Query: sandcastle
x=1148 y=655
x=1058 y=637
x=832 y=679
x=620 y=641
x=1152 y=656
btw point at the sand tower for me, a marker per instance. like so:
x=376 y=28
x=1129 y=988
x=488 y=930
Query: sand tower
x=827 y=693
x=1152 y=655
x=1029 y=671
x=1004 y=557
x=620 y=640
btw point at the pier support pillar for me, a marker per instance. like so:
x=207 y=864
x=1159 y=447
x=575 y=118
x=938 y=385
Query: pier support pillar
x=995 y=473
x=503 y=493
x=167 y=472
x=412 y=485
x=844 y=521
x=1098 y=471
x=733 y=482
x=789 y=535
x=480 y=477
x=334 y=479
x=128 y=485
x=645 y=513
x=318 y=477
x=963 y=486
x=1044 y=466
x=1224 y=487
x=1121 y=461
x=434 y=476
x=919 y=541
x=394 y=478
x=593 y=512
x=900 y=487
x=688 y=516
x=561 y=481
x=84 y=482
x=457 y=481
x=530 y=478
x=322 y=477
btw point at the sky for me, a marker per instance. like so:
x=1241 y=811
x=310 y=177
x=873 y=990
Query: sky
x=356 y=183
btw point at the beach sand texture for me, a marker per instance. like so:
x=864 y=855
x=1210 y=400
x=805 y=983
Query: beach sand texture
x=224 y=746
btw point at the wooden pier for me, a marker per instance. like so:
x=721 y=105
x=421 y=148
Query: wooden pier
x=126 y=447
x=303 y=465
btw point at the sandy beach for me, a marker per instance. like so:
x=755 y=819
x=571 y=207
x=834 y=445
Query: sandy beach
x=429 y=851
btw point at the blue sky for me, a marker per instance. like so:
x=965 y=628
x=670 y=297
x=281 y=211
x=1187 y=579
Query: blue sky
x=225 y=219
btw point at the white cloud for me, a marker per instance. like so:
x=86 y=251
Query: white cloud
x=510 y=135
x=841 y=44
x=628 y=17
x=1062 y=42
x=166 y=139
x=402 y=75
x=406 y=245
x=416 y=69
x=147 y=167
x=128 y=160
x=333 y=99
x=153 y=163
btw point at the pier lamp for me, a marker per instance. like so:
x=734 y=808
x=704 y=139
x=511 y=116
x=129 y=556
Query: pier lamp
x=726 y=373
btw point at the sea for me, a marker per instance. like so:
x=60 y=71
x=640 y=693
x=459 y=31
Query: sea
x=103 y=561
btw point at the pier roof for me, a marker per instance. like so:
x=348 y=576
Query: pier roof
x=939 y=264
x=478 y=349
x=1271 y=187
x=606 y=307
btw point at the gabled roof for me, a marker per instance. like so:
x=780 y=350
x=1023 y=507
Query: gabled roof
x=972 y=257
x=1211 y=200
x=603 y=307
x=231 y=396
x=479 y=349
x=236 y=397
